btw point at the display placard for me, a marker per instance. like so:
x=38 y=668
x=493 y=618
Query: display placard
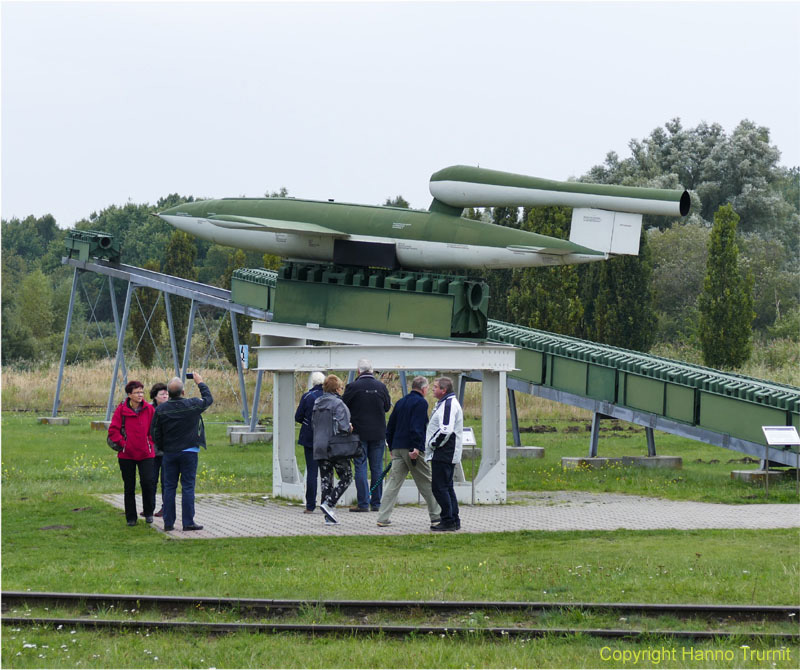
x=468 y=437
x=782 y=436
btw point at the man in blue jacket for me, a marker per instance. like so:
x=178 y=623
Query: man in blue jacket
x=178 y=431
x=368 y=400
x=405 y=436
x=306 y=438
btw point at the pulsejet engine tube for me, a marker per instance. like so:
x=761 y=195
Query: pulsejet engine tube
x=464 y=186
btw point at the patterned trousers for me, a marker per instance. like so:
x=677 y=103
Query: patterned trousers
x=331 y=494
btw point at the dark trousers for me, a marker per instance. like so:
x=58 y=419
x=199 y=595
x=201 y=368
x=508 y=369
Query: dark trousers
x=128 y=467
x=330 y=494
x=181 y=466
x=372 y=453
x=312 y=471
x=442 y=487
x=157 y=467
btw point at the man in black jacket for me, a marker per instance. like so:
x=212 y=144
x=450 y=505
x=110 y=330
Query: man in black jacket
x=368 y=400
x=178 y=431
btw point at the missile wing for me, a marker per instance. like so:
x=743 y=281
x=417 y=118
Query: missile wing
x=606 y=221
x=268 y=225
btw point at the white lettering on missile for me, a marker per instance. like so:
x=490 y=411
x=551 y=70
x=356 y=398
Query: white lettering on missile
x=399 y=225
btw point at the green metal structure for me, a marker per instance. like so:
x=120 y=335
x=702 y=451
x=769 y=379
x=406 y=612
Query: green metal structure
x=86 y=244
x=375 y=300
x=671 y=396
x=692 y=395
x=254 y=287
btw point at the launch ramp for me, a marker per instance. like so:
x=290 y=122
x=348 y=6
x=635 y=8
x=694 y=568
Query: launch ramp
x=700 y=403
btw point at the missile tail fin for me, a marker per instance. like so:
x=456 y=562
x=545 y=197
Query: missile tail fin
x=610 y=232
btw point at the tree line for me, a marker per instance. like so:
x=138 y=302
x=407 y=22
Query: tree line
x=730 y=268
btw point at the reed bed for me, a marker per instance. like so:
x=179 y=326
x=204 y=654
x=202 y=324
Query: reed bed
x=85 y=388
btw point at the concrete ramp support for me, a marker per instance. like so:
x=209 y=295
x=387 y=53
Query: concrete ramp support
x=283 y=352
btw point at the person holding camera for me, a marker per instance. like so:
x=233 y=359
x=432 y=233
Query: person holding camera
x=178 y=431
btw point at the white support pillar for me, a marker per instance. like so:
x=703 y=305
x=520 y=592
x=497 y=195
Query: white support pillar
x=490 y=482
x=286 y=478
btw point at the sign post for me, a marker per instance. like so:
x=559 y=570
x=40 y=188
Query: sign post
x=783 y=436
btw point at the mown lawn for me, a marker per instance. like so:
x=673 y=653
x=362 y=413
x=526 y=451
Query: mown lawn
x=57 y=536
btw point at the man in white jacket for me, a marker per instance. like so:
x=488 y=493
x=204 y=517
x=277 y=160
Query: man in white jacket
x=443 y=441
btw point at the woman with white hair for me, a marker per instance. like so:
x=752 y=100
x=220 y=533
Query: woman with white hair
x=306 y=438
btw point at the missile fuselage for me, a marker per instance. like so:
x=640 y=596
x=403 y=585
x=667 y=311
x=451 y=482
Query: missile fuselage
x=606 y=221
x=422 y=239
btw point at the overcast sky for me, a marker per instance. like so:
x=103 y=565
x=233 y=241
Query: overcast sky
x=105 y=103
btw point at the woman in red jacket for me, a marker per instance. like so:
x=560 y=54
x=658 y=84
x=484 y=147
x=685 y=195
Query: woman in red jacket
x=130 y=431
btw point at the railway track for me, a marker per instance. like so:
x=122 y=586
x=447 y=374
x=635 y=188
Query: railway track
x=273 y=607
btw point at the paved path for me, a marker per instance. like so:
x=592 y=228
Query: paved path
x=256 y=515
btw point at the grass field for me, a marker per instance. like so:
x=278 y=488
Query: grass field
x=57 y=536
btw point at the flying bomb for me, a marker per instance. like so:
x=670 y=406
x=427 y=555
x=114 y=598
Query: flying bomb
x=606 y=221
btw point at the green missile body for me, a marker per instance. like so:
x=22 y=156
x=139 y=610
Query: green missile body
x=440 y=239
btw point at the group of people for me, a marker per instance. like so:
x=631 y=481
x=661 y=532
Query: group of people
x=341 y=424
x=338 y=425
x=160 y=439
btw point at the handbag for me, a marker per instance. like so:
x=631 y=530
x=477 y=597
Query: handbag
x=344 y=445
x=113 y=444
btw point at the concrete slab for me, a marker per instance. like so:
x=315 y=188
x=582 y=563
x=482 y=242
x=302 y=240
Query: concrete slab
x=525 y=452
x=672 y=462
x=243 y=428
x=574 y=462
x=259 y=515
x=244 y=437
x=511 y=452
x=54 y=420
x=758 y=476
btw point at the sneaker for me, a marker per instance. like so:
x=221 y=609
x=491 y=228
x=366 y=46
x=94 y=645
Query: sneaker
x=328 y=511
x=131 y=523
x=383 y=524
x=168 y=528
x=356 y=508
x=148 y=519
x=331 y=522
x=308 y=511
x=160 y=513
x=374 y=509
x=440 y=528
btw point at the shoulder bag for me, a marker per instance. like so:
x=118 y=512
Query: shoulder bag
x=113 y=444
